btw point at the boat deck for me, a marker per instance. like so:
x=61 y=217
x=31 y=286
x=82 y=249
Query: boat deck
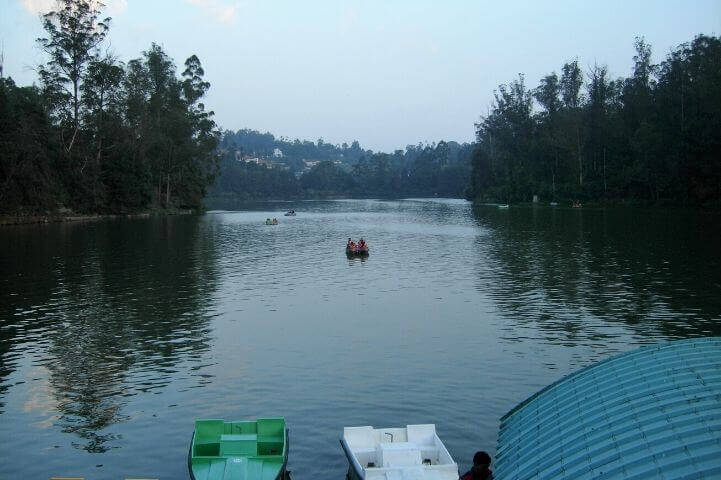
x=414 y=452
x=238 y=450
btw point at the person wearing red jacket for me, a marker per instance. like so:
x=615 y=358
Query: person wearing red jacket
x=481 y=468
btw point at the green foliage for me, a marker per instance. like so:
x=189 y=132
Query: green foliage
x=325 y=179
x=654 y=137
x=73 y=35
x=101 y=136
x=421 y=170
x=28 y=174
x=249 y=181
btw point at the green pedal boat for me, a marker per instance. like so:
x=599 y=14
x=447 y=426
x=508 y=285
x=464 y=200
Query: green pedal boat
x=242 y=450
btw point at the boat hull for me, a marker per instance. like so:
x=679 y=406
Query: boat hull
x=355 y=472
x=357 y=252
x=413 y=451
x=213 y=473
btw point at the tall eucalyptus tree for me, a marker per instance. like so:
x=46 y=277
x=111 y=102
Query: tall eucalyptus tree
x=74 y=32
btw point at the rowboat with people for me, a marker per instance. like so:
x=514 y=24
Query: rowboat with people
x=357 y=249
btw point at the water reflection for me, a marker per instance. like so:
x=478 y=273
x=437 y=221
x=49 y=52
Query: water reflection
x=123 y=303
x=115 y=335
x=569 y=275
x=353 y=259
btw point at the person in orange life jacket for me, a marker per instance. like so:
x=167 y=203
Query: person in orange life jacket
x=480 y=470
x=361 y=243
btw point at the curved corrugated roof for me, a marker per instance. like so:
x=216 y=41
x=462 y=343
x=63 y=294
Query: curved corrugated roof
x=654 y=412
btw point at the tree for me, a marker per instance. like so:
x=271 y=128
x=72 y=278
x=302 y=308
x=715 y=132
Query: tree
x=598 y=94
x=547 y=94
x=327 y=179
x=200 y=161
x=571 y=82
x=103 y=103
x=506 y=135
x=141 y=137
x=637 y=99
x=73 y=32
x=28 y=176
x=652 y=137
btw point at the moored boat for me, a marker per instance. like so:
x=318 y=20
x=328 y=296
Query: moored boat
x=415 y=451
x=239 y=450
x=503 y=205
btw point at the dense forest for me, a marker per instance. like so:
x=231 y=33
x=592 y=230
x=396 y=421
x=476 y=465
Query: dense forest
x=440 y=169
x=653 y=138
x=98 y=135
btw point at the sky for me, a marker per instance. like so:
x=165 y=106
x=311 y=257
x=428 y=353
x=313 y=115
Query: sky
x=385 y=73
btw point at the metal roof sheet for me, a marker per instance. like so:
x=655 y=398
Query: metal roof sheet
x=654 y=412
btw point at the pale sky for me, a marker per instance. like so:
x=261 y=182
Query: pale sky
x=387 y=73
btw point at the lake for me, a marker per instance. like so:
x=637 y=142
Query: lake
x=115 y=335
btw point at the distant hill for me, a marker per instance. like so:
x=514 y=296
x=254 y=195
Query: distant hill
x=297 y=155
x=257 y=165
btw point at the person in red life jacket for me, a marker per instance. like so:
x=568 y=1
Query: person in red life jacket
x=361 y=244
x=481 y=468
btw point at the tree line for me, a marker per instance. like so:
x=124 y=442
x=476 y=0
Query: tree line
x=440 y=169
x=99 y=135
x=654 y=137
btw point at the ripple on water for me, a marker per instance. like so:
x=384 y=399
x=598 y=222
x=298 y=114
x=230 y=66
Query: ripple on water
x=116 y=335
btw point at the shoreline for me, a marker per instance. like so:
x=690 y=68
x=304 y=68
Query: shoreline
x=597 y=205
x=20 y=219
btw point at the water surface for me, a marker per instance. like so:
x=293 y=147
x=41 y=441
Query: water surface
x=115 y=335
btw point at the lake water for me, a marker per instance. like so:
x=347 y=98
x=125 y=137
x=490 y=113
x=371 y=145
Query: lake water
x=115 y=335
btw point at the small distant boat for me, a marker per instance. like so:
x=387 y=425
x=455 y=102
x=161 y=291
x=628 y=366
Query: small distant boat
x=290 y=213
x=271 y=222
x=239 y=450
x=554 y=204
x=360 y=251
x=411 y=452
x=503 y=205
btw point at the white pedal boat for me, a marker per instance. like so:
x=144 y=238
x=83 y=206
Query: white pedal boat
x=411 y=453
